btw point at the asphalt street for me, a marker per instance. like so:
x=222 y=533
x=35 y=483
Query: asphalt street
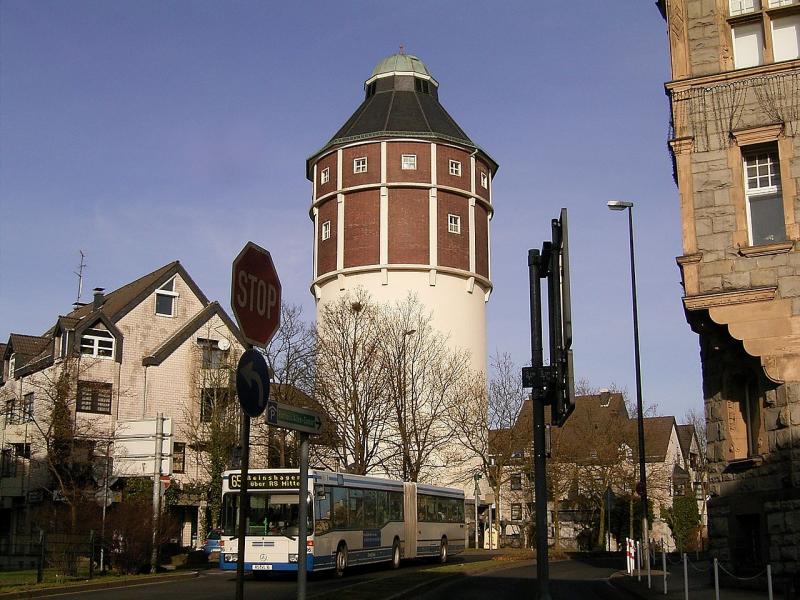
x=584 y=579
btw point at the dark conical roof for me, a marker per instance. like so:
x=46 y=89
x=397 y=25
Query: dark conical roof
x=401 y=100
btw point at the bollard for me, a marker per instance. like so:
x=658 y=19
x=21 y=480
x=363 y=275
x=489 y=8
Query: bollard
x=91 y=554
x=664 y=568
x=40 y=561
x=716 y=579
x=685 y=577
x=638 y=561
x=649 y=562
x=769 y=581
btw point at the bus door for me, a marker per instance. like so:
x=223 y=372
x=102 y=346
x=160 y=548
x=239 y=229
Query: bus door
x=410 y=513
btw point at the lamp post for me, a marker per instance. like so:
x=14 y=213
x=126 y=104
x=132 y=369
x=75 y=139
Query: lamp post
x=642 y=487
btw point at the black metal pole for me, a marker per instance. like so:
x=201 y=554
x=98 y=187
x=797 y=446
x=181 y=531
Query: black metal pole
x=538 y=399
x=639 y=406
x=302 y=529
x=244 y=507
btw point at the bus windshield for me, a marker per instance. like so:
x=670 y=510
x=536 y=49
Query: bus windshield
x=270 y=514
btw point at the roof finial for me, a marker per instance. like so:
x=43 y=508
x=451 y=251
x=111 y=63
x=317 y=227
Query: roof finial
x=402 y=49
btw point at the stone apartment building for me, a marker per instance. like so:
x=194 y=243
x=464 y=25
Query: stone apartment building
x=735 y=110
x=595 y=450
x=155 y=345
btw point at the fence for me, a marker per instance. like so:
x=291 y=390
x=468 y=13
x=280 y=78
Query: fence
x=705 y=567
x=37 y=558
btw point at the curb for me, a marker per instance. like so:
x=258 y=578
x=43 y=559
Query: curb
x=614 y=582
x=103 y=585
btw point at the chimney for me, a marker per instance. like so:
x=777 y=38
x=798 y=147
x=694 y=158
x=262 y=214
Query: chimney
x=99 y=298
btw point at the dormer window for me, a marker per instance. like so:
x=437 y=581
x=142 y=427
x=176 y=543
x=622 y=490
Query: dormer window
x=12 y=365
x=66 y=337
x=421 y=85
x=97 y=343
x=166 y=297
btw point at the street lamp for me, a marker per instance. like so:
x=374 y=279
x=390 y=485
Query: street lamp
x=642 y=487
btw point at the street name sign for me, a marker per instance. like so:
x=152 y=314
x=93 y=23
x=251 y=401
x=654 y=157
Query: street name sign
x=292 y=417
x=256 y=295
x=252 y=382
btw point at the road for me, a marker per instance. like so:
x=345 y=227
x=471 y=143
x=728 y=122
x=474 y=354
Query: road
x=570 y=579
x=586 y=579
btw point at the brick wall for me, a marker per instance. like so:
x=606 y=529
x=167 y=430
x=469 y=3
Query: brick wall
x=408 y=226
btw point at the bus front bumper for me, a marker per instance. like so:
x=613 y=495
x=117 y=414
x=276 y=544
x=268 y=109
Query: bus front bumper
x=228 y=562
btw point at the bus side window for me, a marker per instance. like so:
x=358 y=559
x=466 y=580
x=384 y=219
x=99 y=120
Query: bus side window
x=356 y=512
x=323 y=512
x=382 y=514
x=370 y=509
x=395 y=506
x=339 y=499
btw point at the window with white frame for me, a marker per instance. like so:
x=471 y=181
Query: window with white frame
x=455 y=168
x=326 y=230
x=762 y=186
x=748 y=45
x=325 y=176
x=453 y=224
x=516 y=511
x=408 y=162
x=484 y=180
x=785 y=37
x=97 y=343
x=66 y=337
x=779 y=3
x=743 y=7
x=166 y=298
x=12 y=365
x=360 y=164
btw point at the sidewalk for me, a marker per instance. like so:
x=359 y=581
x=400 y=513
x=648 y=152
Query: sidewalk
x=701 y=584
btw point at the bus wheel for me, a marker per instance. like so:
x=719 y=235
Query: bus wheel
x=341 y=559
x=396 y=555
x=443 y=551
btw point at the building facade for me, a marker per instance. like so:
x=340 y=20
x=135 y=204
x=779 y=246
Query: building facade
x=401 y=202
x=156 y=346
x=735 y=111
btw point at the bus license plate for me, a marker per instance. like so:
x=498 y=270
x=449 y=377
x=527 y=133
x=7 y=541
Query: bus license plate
x=262 y=567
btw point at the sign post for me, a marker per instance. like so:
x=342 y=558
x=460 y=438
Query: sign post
x=256 y=303
x=305 y=422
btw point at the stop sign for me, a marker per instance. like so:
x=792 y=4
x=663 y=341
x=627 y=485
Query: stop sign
x=256 y=294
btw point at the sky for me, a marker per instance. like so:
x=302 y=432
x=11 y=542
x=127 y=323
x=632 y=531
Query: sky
x=147 y=131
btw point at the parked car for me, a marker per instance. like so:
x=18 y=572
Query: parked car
x=212 y=542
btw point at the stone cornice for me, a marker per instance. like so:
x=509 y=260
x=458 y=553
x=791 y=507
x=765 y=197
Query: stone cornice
x=682 y=145
x=766 y=250
x=757 y=135
x=688 y=259
x=706 y=301
x=684 y=84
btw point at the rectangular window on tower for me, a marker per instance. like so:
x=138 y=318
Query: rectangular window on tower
x=453 y=224
x=455 y=168
x=409 y=162
x=360 y=165
x=325 y=176
x=484 y=180
x=326 y=230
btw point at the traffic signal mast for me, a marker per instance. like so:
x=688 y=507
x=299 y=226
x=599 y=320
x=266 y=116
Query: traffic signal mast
x=552 y=384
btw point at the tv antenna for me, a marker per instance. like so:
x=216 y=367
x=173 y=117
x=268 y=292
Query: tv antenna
x=79 y=273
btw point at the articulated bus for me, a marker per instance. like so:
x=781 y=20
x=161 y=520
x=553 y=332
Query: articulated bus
x=353 y=520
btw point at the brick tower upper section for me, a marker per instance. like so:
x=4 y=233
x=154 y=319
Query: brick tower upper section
x=400 y=186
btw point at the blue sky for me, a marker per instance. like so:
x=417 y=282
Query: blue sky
x=148 y=131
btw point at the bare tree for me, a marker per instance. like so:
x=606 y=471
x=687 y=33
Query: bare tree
x=62 y=436
x=211 y=424
x=423 y=377
x=350 y=382
x=290 y=359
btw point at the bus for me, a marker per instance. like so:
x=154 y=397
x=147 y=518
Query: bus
x=352 y=520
